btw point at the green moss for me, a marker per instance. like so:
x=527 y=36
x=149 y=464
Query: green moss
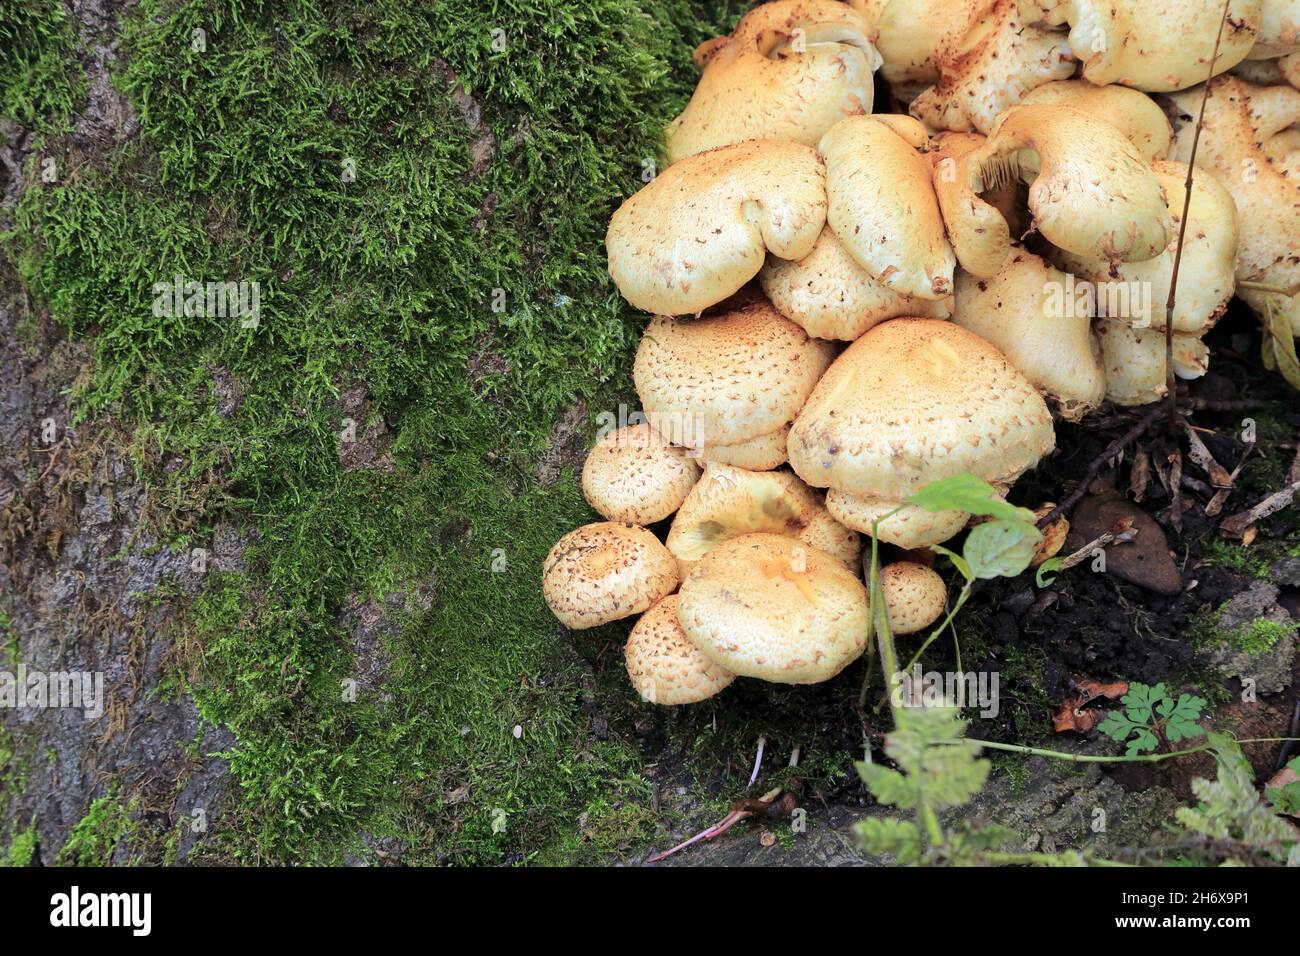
x=40 y=84
x=22 y=847
x=95 y=837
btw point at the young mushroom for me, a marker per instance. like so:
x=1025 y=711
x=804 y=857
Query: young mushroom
x=1131 y=111
x=791 y=70
x=1159 y=45
x=606 y=571
x=904 y=525
x=1138 y=291
x=1001 y=57
x=1134 y=360
x=702 y=228
x=664 y=666
x=914 y=595
x=913 y=401
x=728 y=502
x=1090 y=192
x=882 y=207
x=729 y=379
x=1027 y=312
x=832 y=297
x=763 y=453
x=634 y=475
x=767 y=606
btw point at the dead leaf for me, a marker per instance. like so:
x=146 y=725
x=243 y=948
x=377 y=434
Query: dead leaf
x=1236 y=525
x=1092 y=689
x=1219 y=476
x=1140 y=475
x=1075 y=714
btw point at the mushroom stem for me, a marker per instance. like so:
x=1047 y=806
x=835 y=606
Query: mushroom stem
x=1171 y=391
x=758 y=761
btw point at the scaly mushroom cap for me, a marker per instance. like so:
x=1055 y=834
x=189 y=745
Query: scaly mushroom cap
x=910 y=528
x=1130 y=111
x=1090 y=192
x=993 y=65
x=914 y=595
x=663 y=664
x=1027 y=311
x=913 y=401
x=1158 y=45
x=1206 y=276
x=729 y=379
x=767 y=606
x=882 y=207
x=1238 y=118
x=702 y=228
x=915 y=33
x=832 y=297
x=791 y=70
x=728 y=502
x=1134 y=360
x=634 y=475
x=605 y=571
x=1279 y=29
x=757 y=454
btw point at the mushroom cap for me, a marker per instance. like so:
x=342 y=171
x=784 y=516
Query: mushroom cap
x=1159 y=45
x=1090 y=192
x=791 y=70
x=882 y=207
x=605 y=571
x=832 y=297
x=914 y=595
x=726 y=379
x=634 y=475
x=728 y=502
x=1238 y=118
x=913 y=35
x=1279 y=29
x=911 y=527
x=913 y=401
x=702 y=228
x=1130 y=111
x=1000 y=58
x=662 y=663
x=755 y=454
x=1030 y=313
x=1134 y=360
x=1206 y=277
x=767 y=606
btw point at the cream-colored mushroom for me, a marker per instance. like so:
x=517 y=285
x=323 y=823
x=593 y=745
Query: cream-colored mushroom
x=913 y=401
x=1238 y=118
x=832 y=297
x=882 y=206
x=791 y=70
x=914 y=596
x=1139 y=291
x=605 y=571
x=664 y=666
x=1131 y=111
x=729 y=379
x=702 y=228
x=1028 y=311
x=728 y=502
x=1134 y=360
x=899 y=523
x=767 y=606
x=914 y=34
x=634 y=475
x=1158 y=45
x=756 y=454
x=1000 y=58
x=1090 y=192
x=1279 y=29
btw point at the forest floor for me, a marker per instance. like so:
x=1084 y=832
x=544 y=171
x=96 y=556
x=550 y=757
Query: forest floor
x=305 y=551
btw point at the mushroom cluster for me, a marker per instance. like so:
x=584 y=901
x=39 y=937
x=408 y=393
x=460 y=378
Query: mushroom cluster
x=848 y=305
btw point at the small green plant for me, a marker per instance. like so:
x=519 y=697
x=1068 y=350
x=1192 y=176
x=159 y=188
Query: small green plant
x=1152 y=719
x=1286 y=798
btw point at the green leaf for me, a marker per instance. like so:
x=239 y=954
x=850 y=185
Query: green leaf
x=1117 y=727
x=1181 y=717
x=1046 y=568
x=889 y=786
x=901 y=838
x=967 y=493
x=1143 y=742
x=1001 y=549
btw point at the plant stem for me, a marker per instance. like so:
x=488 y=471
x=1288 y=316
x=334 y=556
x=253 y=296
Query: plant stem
x=961 y=600
x=1101 y=758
